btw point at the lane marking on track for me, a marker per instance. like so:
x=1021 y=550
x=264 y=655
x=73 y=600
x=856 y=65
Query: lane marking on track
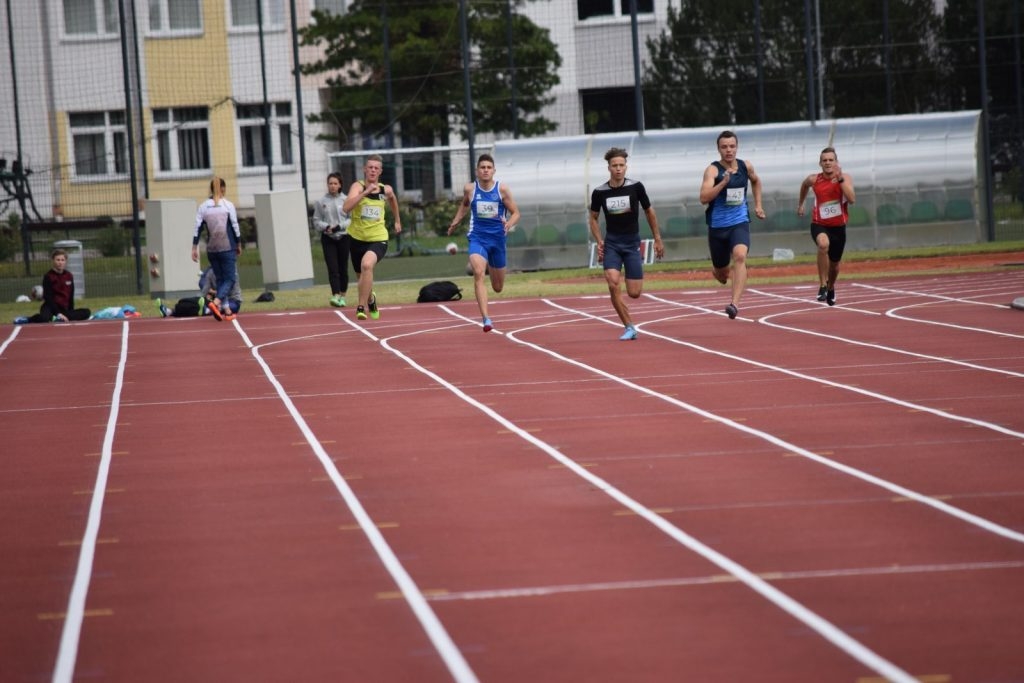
x=904 y=292
x=899 y=490
x=838 y=385
x=854 y=572
x=891 y=313
x=435 y=631
x=812 y=620
x=10 y=338
x=67 y=652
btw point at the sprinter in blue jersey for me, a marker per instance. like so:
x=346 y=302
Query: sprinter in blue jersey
x=724 y=191
x=492 y=213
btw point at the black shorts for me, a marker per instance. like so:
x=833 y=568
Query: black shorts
x=358 y=249
x=836 y=240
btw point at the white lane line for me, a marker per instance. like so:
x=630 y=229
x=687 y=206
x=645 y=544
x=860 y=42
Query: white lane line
x=821 y=626
x=782 y=443
x=540 y=591
x=767 y=320
x=837 y=385
x=435 y=631
x=67 y=653
x=10 y=338
x=903 y=292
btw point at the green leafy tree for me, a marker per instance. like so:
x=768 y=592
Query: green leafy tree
x=426 y=71
x=1003 y=21
x=704 y=65
x=854 y=52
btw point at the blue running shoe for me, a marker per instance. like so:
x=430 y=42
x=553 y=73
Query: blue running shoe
x=20 y=320
x=488 y=325
x=629 y=334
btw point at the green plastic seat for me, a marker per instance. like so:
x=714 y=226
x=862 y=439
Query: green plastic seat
x=577 y=233
x=959 y=210
x=923 y=212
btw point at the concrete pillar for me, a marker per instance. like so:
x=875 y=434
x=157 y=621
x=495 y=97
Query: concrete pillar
x=172 y=272
x=282 y=224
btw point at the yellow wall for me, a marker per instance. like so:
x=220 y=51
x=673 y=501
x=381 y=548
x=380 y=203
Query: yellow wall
x=184 y=72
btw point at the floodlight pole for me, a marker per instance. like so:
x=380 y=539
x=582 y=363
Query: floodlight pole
x=17 y=167
x=464 y=27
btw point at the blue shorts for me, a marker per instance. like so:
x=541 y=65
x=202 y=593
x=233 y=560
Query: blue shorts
x=491 y=247
x=721 y=242
x=624 y=250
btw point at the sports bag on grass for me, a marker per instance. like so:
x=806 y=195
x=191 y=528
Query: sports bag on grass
x=443 y=290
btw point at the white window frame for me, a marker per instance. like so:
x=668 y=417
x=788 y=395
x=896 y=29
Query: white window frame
x=114 y=134
x=274 y=17
x=162 y=15
x=249 y=115
x=617 y=14
x=104 y=13
x=329 y=6
x=170 y=131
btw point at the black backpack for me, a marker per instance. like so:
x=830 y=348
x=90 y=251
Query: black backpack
x=442 y=290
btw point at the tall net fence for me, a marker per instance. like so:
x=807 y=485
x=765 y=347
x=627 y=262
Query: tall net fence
x=116 y=102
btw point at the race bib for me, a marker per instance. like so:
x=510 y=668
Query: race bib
x=831 y=210
x=372 y=212
x=487 y=209
x=734 y=196
x=616 y=205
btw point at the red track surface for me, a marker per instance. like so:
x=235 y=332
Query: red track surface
x=803 y=494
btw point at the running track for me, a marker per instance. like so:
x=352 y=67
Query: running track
x=803 y=494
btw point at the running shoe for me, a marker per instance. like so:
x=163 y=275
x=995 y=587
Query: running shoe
x=372 y=305
x=360 y=313
x=338 y=301
x=215 y=310
x=629 y=334
x=164 y=311
x=21 y=320
x=488 y=325
x=822 y=291
x=732 y=311
x=830 y=297
x=201 y=302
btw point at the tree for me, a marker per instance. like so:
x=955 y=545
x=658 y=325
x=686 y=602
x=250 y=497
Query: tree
x=426 y=71
x=704 y=66
x=854 y=49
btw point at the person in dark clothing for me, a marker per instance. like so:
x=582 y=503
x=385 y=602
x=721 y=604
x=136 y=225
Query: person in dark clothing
x=58 y=294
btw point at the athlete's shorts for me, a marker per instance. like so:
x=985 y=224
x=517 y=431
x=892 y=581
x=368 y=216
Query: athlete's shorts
x=721 y=242
x=359 y=248
x=491 y=247
x=836 y=240
x=624 y=250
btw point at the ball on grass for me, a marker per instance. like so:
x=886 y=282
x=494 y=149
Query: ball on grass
x=452 y=248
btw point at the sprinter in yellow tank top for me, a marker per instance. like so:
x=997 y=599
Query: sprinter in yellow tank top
x=366 y=203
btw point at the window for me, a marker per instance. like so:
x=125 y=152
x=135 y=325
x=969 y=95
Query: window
x=182 y=139
x=585 y=9
x=252 y=134
x=99 y=143
x=175 y=16
x=331 y=6
x=243 y=13
x=608 y=110
x=90 y=17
